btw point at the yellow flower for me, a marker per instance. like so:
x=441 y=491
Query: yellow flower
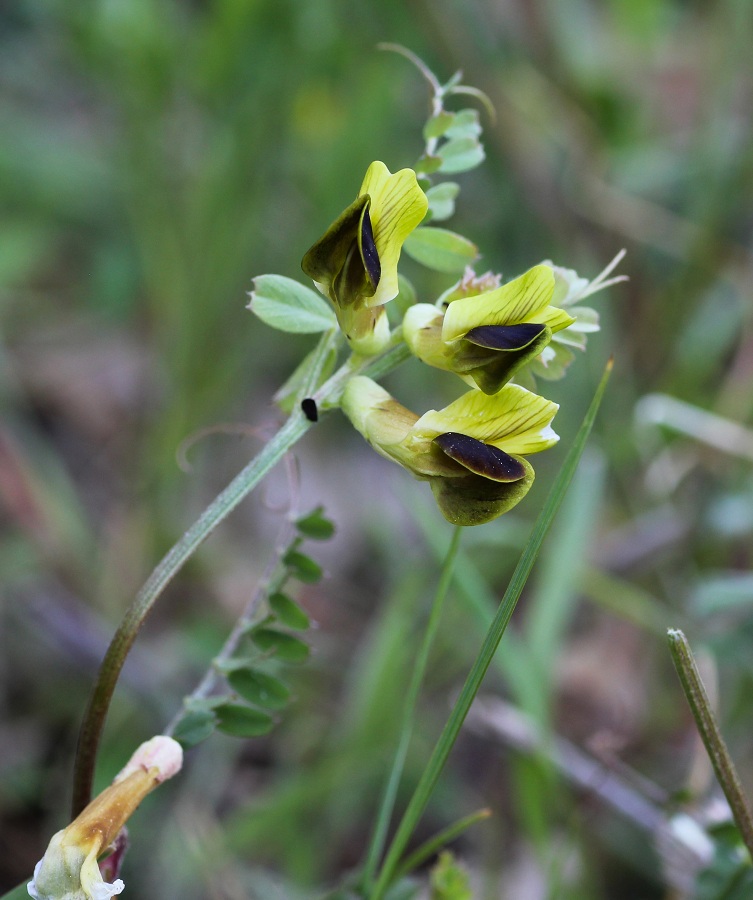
x=472 y=452
x=68 y=870
x=355 y=262
x=484 y=335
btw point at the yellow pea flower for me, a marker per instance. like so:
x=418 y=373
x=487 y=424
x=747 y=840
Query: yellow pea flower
x=472 y=452
x=355 y=262
x=486 y=335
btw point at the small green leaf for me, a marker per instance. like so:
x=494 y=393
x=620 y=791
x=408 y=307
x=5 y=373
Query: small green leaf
x=243 y=721
x=461 y=154
x=441 y=199
x=194 y=727
x=259 y=688
x=440 y=249
x=302 y=567
x=428 y=164
x=284 y=646
x=288 y=612
x=289 y=306
x=438 y=125
x=316 y=525
x=466 y=123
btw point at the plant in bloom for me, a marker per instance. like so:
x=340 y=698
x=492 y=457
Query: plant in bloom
x=355 y=262
x=472 y=452
x=68 y=870
x=485 y=332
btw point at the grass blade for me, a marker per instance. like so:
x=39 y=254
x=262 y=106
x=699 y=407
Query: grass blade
x=444 y=745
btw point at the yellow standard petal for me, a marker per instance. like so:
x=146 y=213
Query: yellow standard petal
x=398 y=205
x=515 y=420
x=525 y=299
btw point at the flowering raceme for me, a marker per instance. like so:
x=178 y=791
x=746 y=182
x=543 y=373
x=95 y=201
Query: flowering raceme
x=483 y=335
x=355 y=262
x=472 y=452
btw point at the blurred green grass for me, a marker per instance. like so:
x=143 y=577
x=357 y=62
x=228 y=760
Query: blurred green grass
x=156 y=155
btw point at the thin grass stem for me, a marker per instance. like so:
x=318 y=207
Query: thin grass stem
x=409 y=712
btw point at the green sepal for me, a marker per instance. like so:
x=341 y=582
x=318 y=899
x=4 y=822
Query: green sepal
x=288 y=612
x=441 y=250
x=284 y=646
x=285 y=304
x=259 y=688
x=243 y=721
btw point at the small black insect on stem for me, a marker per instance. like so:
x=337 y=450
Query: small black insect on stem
x=308 y=405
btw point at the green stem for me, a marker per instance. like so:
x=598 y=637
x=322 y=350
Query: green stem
x=444 y=745
x=99 y=702
x=408 y=715
x=438 y=841
x=326 y=397
x=724 y=768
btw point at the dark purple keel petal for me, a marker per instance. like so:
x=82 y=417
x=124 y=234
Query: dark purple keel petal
x=505 y=337
x=480 y=458
x=368 y=249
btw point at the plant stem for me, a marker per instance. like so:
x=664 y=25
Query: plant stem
x=444 y=745
x=708 y=728
x=99 y=702
x=409 y=708
x=326 y=396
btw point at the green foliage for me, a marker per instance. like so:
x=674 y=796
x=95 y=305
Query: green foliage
x=155 y=156
x=289 y=306
x=729 y=876
x=449 y=880
x=441 y=250
x=242 y=721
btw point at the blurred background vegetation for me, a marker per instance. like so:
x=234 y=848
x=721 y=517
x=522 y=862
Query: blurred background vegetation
x=155 y=156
